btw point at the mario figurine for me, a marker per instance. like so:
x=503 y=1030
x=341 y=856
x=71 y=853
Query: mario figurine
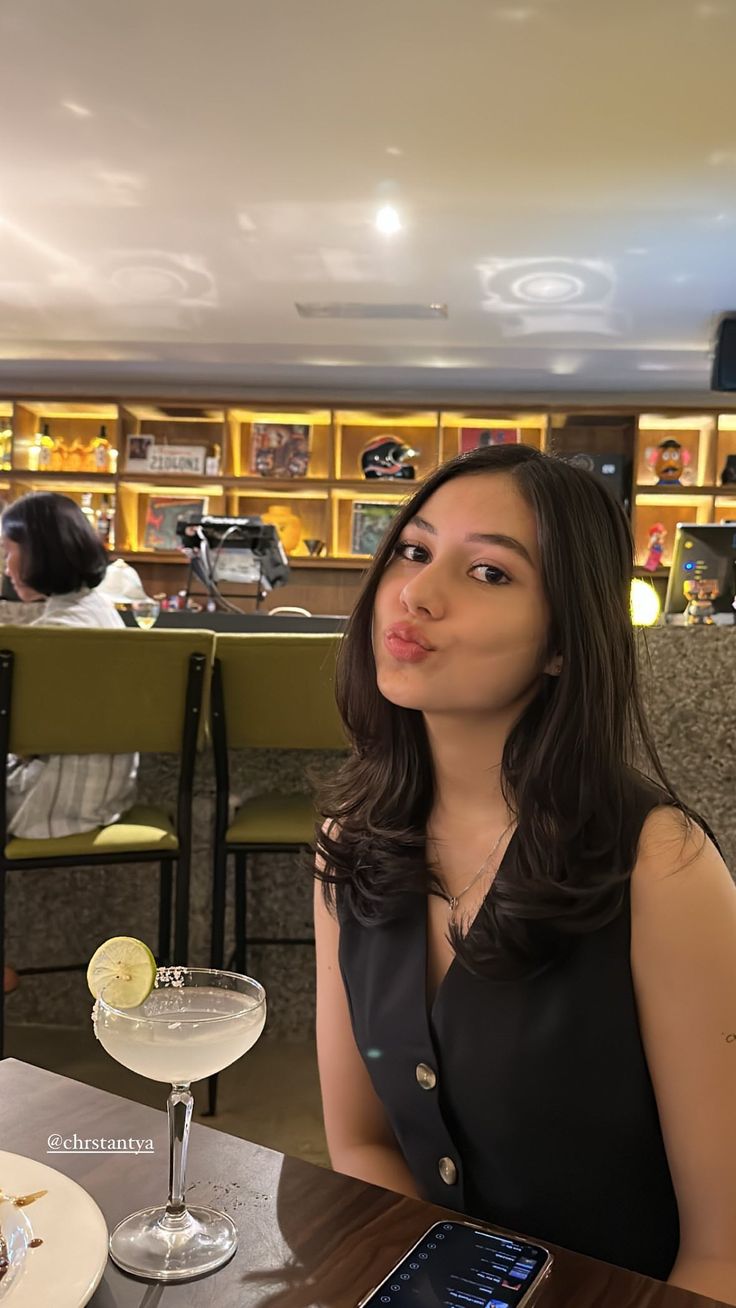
x=657 y=536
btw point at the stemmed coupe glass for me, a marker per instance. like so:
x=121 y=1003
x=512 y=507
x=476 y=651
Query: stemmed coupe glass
x=195 y=1022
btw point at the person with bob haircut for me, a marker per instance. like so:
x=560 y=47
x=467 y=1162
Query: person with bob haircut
x=526 y=941
x=52 y=554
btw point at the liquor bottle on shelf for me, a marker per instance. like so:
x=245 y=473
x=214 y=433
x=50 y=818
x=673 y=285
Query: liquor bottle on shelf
x=74 y=457
x=212 y=461
x=6 y=444
x=98 y=460
x=105 y=523
x=39 y=455
x=87 y=510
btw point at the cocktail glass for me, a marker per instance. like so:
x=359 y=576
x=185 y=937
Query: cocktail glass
x=195 y=1022
x=145 y=613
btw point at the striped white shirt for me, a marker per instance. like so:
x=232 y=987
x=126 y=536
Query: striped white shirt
x=64 y=794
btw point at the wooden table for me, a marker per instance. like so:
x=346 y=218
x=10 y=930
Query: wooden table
x=307 y=1236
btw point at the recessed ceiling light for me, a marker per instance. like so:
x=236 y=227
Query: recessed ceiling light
x=388 y=221
x=548 y=288
x=394 y=150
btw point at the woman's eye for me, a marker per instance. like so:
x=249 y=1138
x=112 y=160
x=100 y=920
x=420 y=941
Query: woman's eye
x=405 y=549
x=492 y=576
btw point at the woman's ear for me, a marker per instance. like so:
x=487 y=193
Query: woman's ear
x=554 y=667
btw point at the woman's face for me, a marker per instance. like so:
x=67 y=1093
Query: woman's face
x=460 y=619
x=14 y=569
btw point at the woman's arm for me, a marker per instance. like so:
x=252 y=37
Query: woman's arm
x=683 y=955
x=359 y=1137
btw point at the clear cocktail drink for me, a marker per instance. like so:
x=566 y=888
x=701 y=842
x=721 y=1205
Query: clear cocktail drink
x=196 y=1022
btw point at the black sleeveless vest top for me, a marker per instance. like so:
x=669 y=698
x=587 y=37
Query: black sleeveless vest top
x=527 y=1104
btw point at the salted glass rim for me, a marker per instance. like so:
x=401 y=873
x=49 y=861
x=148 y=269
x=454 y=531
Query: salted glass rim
x=134 y=1014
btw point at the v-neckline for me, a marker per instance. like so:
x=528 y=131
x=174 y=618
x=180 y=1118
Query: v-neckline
x=430 y=1002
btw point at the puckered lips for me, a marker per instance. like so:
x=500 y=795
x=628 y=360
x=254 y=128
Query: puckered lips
x=407 y=643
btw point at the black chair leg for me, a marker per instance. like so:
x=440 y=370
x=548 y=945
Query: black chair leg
x=181 y=909
x=218 y=931
x=212 y=1095
x=166 y=892
x=217 y=944
x=219 y=887
x=241 y=912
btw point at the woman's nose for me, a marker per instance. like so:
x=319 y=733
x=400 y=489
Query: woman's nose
x=423 y=594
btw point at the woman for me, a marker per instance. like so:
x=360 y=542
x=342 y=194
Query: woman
x=52 y=554
x=526 y=951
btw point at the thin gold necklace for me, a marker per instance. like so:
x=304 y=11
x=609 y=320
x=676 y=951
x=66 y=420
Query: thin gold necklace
x=454 y=900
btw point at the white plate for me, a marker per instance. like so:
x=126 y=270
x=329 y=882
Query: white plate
x=67 y=1268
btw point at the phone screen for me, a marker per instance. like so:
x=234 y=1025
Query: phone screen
x=455 y=1265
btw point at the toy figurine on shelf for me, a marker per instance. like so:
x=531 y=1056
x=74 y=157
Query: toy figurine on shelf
x=387 y=458
x=657 y=537
x=668 y=460
x=287 y=523
x=700 y=594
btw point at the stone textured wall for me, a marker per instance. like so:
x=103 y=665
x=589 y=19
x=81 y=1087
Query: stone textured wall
x=59 y=916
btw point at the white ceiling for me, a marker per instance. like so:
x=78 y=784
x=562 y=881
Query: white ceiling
x=176 y=174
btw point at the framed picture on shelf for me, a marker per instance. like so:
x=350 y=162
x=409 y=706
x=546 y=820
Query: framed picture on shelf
x=280 y=449
x=162 y=516
x=370 y=521
x=474 y=438
x=136 y=452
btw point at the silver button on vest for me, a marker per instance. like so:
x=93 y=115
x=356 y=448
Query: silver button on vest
x=448 y=1171
x=426 y=1076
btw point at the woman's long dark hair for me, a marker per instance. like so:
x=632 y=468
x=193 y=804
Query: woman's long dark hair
x=568 y=768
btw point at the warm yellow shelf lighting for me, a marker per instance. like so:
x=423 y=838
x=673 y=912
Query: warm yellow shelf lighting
x=44 y=409
x=271 y=494
x=529 y=421
x=379 y=418
x=170 y=491
x=316 y=417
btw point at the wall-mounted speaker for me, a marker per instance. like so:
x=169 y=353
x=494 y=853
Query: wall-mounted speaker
x=724 y=364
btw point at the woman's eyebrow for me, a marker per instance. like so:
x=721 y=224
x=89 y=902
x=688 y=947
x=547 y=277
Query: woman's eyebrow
x=486 y=537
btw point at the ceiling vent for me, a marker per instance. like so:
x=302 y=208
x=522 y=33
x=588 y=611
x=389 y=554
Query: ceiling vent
x=354 y=309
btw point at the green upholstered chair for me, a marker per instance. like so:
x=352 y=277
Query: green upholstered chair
x=88 y=691
x=273 y=692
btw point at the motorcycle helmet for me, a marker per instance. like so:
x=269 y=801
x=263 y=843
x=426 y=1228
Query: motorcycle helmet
x=386 y=457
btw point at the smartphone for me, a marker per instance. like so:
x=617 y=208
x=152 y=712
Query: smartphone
x=459 y=1265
